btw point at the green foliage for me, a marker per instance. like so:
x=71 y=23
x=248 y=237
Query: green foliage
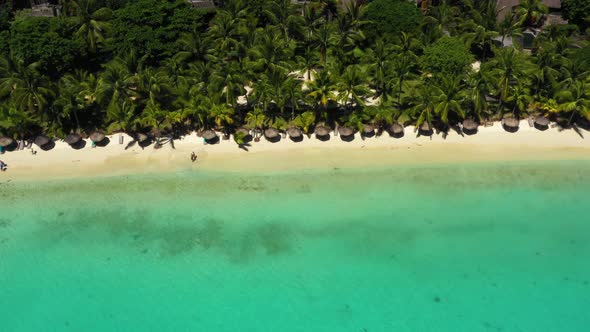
x=576 y=12
x=165 y=67
x=50 y=42
x=388 y=18
x=152 y=27
x=447 y=56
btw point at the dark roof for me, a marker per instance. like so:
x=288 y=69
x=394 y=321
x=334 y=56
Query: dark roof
x=73 y=139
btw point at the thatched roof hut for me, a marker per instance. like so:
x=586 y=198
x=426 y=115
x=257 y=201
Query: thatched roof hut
x=209 y=134
x=72 y=139
x=542 y=121
x=271 y=133
x=425 y=126
x=97 y=137
x=6 y=141
x=322 y=131
x=368 y=129
x=345 y=131
x=511 y=122
x=41 y=140
x=470 y=124
x=294 y=132
x=396 y=128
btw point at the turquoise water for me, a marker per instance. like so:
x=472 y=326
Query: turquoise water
x=479 y=247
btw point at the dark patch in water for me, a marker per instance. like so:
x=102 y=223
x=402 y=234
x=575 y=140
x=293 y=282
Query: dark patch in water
x=4 y=223
x=436 y=299
x=60 y=214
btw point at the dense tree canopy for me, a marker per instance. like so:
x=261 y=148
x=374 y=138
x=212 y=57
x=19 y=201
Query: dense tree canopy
x=390 y=17
x=447 y=56
x=577 y=12
x=166 y=68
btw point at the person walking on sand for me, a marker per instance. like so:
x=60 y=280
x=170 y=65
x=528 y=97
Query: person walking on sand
x=193 y=157
x=3 y=166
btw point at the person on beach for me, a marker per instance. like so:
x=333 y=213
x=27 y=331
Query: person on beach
x=193 y=157
x=3 y=166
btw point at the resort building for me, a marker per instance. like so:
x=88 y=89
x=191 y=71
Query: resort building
x=47 y=8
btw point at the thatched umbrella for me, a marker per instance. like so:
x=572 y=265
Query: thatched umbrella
x=294 y=132
x=396 y=129
x=41 y=140
x=425 y=126
x=542 y=121
x=209 y=135
x=243 y=131
x=271 y=133
x=345 y=131
x=97 y=137
x=470 y=124
x=368 y=129
x=72 y=139
x=6 y=141
x=142 y=138
x=511 y=122
x=322 y=131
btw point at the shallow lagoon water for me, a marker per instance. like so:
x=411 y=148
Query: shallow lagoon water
x=472 y=247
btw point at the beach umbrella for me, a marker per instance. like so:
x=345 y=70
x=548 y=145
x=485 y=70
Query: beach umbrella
x=345 y=131
x=368 y=129
x=97 y=137
x=470 y=124
x=142 y=138
x=322 y=131
x=542 y=121
x=396 y=129
x=41 y=140
x=209 y=135
x=6 y=141
x=243 y=131
x=271 y=133
x=511 y=122
x=294 y=132
x=425 y=126
x=72 y=139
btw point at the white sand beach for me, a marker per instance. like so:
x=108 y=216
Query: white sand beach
x=490 y=143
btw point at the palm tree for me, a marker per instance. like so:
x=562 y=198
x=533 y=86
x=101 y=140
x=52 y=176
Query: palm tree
x=194 y=46
x=116 y=84
x=122 y=116
x=321 y=91
x=450 y=99
x=309 y=60
x=477 y=35
x=324 y=40
x=507 y=68
x=154 y=117
x=222 y=117
x=15 y=121
x=423 y=110
x=24 y=84
x=256 y=120
x=379 y=62
x=531 y=12
x=305 y=121
x=92 y=22
x=382 y=115
x=478 y=89
x=520 y=98
x=575 y=101
x=351 y=86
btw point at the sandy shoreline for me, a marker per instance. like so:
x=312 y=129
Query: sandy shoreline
x=490 y=143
